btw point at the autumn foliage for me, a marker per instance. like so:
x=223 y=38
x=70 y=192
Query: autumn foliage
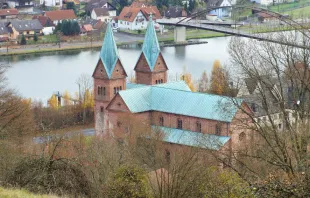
x=219 y=82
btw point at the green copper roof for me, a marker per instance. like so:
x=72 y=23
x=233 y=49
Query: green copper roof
x=180 y=85
x=190 y=138
x=109 y=54
x=150 y=47
x=181 y=102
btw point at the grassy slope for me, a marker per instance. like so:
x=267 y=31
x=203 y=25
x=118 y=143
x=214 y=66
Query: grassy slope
x=14 y=193
x=299 y=13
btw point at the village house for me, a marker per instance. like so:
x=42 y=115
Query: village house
x=103 y=14
x=58 y=16
x=221 y=12
x=96 y=24
x=51 y=3
x=8 y=13
x=91 y=5
x=252 y=90
x=136 y=16
x=12 y=29
x=185 y=118
x=175 y=12
x=267 y=18
x=48 y=25
x=21 y=5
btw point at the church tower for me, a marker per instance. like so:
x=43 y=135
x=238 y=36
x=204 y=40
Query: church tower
x=109 y=78
x=151 y=67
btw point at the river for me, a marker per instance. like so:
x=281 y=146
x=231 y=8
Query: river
x=38 y=76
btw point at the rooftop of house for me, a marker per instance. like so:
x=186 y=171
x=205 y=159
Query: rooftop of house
x=45 y=21
x=177 y=98
x=129 y=13
x=21 y=25
x=101 y=11
x=213 y=3
x=175 y=12
x=60 y=15
x=87 y=27
x=190 y=138
x=98 y=4
x=7 y=12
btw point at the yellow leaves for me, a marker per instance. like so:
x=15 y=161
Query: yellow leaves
x=219 y=83
x=187 y=77
x=66 y=98
x=88 y=99
x=53 y=102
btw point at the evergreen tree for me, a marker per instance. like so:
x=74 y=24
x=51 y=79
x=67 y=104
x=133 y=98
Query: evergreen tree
x=121 y=5
x=71 y=6
x=75 y=28
x=191 y=5
x=35 y=37
x=23 y=40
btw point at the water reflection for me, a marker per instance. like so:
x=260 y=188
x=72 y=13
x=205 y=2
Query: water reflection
x=39 y=75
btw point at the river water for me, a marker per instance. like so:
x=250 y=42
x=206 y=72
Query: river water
x=38 y=76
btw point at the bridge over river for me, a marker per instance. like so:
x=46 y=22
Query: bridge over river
x=180 y=25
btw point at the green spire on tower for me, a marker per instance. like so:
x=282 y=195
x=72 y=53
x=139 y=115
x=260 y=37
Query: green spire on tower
x=150 y=47
x=109 y=54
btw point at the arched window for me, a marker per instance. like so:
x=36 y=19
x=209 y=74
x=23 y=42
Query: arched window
x=114 y=90
x=161 y=121
x=101 y=109
x=104 y=91
x=117 y=89
x=242 y=136
x=99 y=90
x=198 y=126
x=179 y=124
x=161 y=81
x=156 y=81
x=120 y=88
x=218 y=129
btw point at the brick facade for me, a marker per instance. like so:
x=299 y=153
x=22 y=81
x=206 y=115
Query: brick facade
x=145 y=76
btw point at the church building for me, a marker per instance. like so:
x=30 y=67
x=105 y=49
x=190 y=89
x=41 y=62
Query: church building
x=185 y=118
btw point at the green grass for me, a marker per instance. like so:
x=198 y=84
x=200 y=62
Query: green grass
x=299 y=13
x=43 y=39
x=289 y=6
x=16 y=193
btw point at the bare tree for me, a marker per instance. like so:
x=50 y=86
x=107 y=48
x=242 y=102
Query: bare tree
x=279 y=99
x=85 y=83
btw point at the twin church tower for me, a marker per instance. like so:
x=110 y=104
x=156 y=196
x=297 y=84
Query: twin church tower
x=110 y=76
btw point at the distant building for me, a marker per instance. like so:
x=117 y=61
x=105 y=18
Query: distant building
x=184 y=118
x=8 y=13
x=175 y=12
x=219 y=12
x=14 y=28
x=51 y=3
x=96 y=24
x=91 y=5
x=103 y=14
x=136 y=16
x=264 y=17
x=60 y=15
x=48 y=25
x=23 y=6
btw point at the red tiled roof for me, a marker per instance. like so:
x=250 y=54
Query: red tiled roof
x=87 y=27
x=43 y=20
x=7 y=12
x=60 y=15
x=98 y=25
x=129 y=13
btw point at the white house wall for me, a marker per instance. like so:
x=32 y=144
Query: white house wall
x=135 y=25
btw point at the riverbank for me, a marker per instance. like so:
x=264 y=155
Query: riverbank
x=124 y=39
x=121 y=40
